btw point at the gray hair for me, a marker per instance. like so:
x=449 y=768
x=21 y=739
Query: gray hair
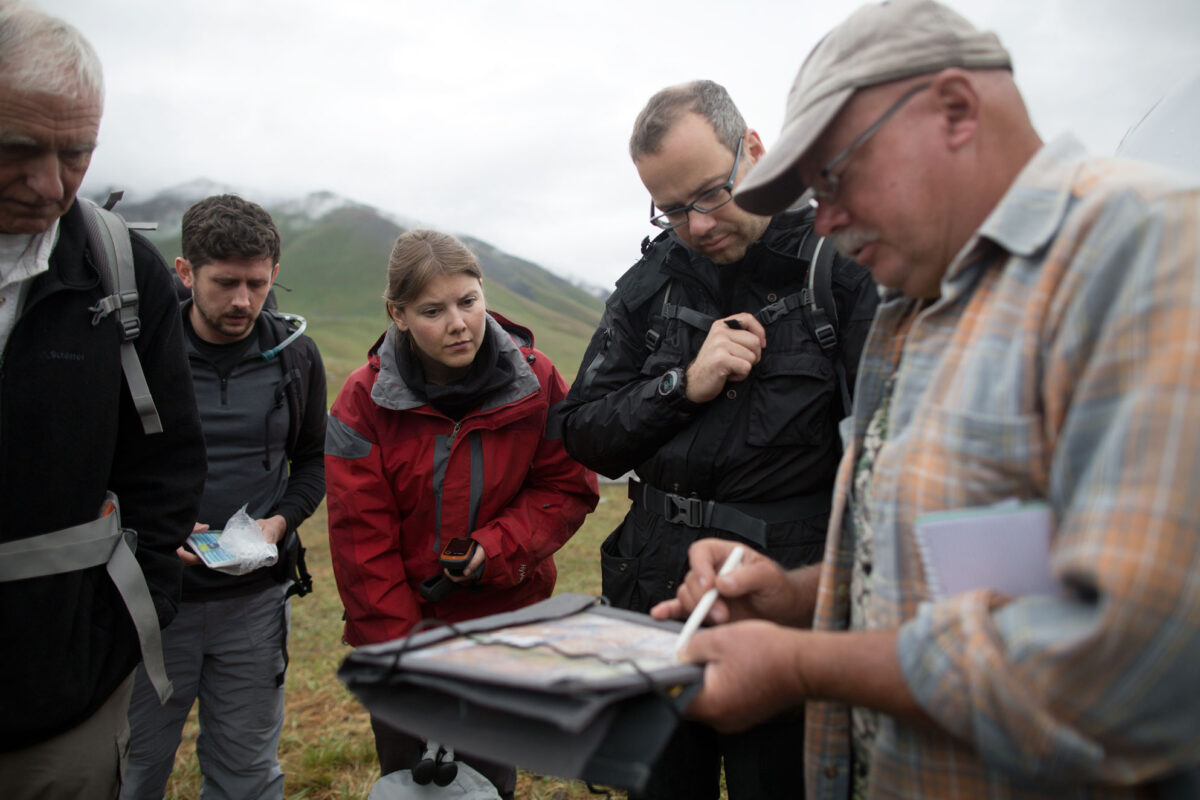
x=706 y=98
x=43 y=54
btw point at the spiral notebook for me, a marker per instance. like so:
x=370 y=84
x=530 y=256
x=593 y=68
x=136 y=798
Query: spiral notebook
x=1005 y=547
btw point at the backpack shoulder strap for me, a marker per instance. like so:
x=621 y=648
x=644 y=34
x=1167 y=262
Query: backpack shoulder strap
x=822 y=310
x=641 y=283
x=293 y=355
x=108 y=239
x=820 y=292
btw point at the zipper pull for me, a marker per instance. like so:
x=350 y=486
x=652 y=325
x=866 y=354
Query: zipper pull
x=454 y=433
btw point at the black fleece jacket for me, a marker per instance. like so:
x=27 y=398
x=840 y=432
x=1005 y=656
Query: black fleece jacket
x=69 y=432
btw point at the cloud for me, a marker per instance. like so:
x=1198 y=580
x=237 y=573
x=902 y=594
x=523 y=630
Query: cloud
x=510 y=120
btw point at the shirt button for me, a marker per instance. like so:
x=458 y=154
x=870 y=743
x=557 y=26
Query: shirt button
x=771 y=298
x=731 y=394
x=831 y=771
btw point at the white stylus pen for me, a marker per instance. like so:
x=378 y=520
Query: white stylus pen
x=706 y=602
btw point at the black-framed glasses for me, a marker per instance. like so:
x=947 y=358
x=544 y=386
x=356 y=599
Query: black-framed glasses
x=825 y=185
x=706 y=203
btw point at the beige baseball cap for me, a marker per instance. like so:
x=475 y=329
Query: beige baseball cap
x=878 y=43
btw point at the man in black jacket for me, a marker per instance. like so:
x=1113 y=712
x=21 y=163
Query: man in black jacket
x=260 y=385
x=70 y=434
x=707 y=379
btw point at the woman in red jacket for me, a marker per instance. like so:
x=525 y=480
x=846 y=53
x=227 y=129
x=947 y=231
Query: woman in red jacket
x=446 y=433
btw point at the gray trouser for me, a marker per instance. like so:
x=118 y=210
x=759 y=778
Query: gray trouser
x=83 y=763
x=229 y=655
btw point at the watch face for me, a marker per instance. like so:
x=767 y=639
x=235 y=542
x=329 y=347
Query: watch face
x=668 y=383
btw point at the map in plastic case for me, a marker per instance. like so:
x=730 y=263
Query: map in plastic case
x=206 y=546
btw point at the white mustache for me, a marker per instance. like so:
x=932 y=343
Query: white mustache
x=852 y=240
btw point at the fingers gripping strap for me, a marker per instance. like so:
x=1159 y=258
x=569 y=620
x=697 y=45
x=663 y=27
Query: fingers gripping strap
x=99 y=541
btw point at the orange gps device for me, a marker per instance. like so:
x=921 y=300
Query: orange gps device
x=457 y=553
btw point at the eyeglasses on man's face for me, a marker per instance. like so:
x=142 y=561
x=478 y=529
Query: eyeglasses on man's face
x=825 y=185
x=706 y=203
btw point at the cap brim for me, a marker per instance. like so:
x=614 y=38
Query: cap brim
x=772 y=184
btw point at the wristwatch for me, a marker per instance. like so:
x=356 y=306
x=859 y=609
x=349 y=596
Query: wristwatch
x=672 y=388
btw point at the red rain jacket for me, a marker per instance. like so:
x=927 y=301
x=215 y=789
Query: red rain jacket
x=403 y=479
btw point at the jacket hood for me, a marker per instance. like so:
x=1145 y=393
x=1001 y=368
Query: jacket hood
x=392 y=392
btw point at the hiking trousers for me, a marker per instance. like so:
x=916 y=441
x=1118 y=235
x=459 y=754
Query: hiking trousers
x=765 y=762
x=228 y=654
x=83 y=763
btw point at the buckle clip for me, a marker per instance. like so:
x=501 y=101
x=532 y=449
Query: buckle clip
x=684 y=510
x=772 y=312
x=826 y=337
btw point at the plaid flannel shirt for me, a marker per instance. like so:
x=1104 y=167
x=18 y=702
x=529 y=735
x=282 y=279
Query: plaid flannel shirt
x=1061 y=362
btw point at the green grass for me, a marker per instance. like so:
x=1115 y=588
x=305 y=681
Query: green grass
x=326 y=749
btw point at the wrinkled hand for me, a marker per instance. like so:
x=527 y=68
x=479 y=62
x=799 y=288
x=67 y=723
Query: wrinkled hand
x=752 y=672
x=758 y=589
x=728 y=354
x=474 y=568
x=189 y=558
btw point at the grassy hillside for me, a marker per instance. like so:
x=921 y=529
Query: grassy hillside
x=336 y=271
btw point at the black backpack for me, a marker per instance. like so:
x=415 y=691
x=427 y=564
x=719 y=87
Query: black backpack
x=815 y=301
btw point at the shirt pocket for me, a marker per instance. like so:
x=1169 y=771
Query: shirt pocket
x=790 y=401
x=986 y=456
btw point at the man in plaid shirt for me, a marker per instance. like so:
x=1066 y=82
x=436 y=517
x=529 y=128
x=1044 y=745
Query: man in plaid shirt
x=1039 y=339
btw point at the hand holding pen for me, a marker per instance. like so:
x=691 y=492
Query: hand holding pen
x=706 y=601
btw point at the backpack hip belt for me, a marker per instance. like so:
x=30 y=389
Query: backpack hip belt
x=748 y=521
x=90 y=544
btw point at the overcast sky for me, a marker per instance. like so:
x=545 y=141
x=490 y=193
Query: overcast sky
x=509 y=120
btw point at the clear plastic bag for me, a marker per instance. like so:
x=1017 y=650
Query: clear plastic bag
x=243 y=539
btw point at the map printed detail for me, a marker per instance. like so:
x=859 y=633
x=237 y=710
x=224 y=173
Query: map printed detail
x=208 y=547
x=607 y=648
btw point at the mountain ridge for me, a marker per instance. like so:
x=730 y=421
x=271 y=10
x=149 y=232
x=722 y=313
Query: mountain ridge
x=333 y=271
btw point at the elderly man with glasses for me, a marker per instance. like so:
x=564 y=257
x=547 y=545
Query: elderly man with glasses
x=708 y=379
x=1008 y=606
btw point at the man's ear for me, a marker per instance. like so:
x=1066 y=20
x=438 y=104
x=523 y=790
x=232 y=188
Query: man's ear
x=753 y=148
x=958 y=103
x=274 y=273
x=183 y=268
